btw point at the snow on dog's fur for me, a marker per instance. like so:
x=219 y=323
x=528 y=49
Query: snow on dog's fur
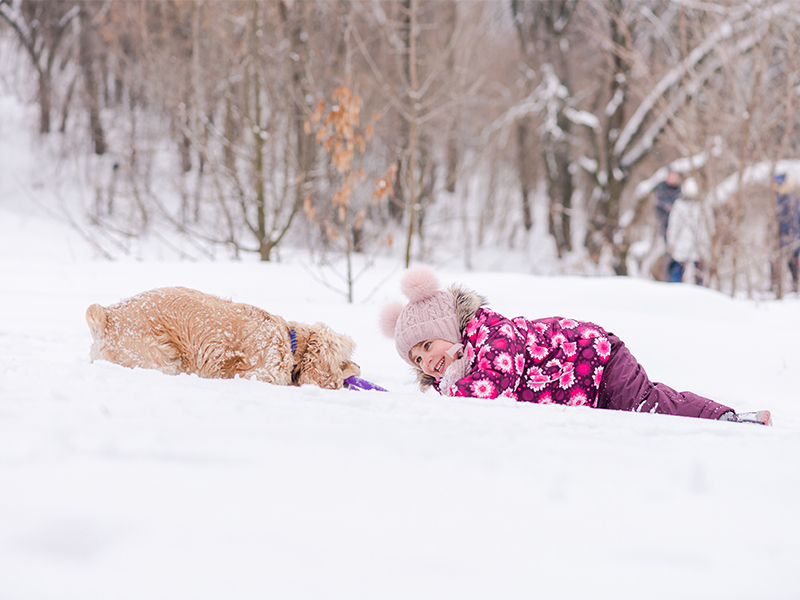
x=179 y=330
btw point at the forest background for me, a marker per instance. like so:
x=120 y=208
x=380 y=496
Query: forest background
x=515 y=134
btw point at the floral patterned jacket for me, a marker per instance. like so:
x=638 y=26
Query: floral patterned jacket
x=553 y=360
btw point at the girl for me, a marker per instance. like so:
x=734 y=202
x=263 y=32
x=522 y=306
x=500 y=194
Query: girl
x=462 y=348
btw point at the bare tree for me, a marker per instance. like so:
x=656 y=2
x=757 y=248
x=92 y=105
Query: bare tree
x=637 y=110
x=204 y=105
x=41 y=28
x=343 y=136
x=425 y=80
x=87 y=60
x=542 y=29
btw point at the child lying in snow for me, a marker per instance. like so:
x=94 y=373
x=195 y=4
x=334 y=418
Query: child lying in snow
x=462 y=348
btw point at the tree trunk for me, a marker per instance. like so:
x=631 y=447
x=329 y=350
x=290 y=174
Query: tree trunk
x=66 y=106
x=231 y=133
x=413 y=203
x=185 y=146
x=452 y=160
x=44 y=101
x=524 y=167
x=560 y=193
x=259 y=183
x=304 y=142
x=561 y=183
x=86 y=60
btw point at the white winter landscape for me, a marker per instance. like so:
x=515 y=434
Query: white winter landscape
x=131 y=484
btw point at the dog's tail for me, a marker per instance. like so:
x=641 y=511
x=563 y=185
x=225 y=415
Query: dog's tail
x=96 y=318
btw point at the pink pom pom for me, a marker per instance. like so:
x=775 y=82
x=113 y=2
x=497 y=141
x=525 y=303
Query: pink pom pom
x=389 y=315
x=419 y=283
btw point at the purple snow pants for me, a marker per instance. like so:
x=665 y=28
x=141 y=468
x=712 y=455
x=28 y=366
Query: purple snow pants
x=625 y=386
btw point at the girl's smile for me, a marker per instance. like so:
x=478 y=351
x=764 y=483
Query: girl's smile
x=431 y=357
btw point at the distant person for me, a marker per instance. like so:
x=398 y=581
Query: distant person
x=462 y=348
x=788 y=227
x=688 y=239
x=666 y=192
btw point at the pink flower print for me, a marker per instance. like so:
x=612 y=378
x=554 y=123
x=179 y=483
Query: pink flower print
x=537 y=379
x=578 y=398
x=484 y=364
x=483 y=389
x=539 y=353
x=568 y=323
x=470 y=353
x=519 y=364
x=540 y=328
x=554 y=363
x=483 y=335
x=589 y=333
x=472 y=326
x=598 y=377
x=508 y=394
x=570 y=348
x=504 y=363
x=558 y=339
x=567 y=378
x=521 y=322
x=603 y=347
x=507 y=330
x=545 y=398
x=500 y=343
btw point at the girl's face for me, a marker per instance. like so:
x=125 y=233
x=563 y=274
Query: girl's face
x=431 y=357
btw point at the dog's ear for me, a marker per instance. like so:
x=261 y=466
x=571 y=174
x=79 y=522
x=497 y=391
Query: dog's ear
x=350 y=369
x=326 y=361
x=96 y=319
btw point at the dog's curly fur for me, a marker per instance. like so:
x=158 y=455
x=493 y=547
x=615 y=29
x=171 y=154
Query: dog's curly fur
x=180 y=330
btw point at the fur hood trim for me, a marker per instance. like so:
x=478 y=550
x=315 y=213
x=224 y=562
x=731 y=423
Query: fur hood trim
x=467 y=304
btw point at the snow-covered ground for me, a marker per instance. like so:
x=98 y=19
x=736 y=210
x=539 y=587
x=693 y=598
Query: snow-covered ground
x=131 y=484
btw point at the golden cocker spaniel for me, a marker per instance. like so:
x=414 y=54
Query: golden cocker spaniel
x=180 y=330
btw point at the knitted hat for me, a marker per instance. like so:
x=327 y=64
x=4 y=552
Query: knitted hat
x=430 y=314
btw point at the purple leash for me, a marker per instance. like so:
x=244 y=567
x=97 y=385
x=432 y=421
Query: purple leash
x=356 y=383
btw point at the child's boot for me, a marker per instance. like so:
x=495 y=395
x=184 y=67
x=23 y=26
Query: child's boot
x=762 y=417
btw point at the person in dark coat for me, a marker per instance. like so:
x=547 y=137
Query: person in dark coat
x=666 y=192
x=460 y=347
x=788 y=205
